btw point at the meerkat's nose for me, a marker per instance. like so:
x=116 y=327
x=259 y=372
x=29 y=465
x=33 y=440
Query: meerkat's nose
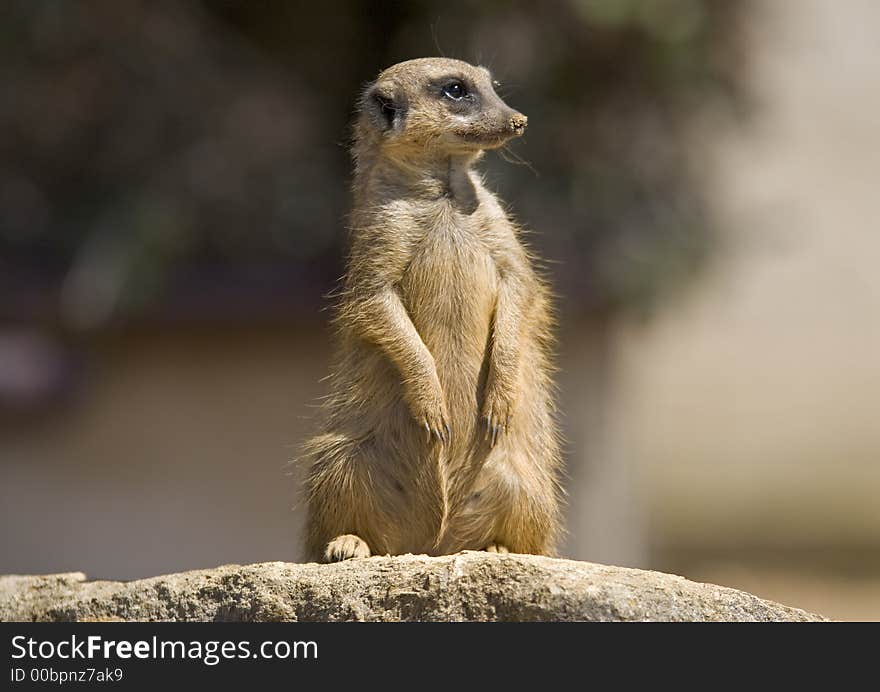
x=518 y=123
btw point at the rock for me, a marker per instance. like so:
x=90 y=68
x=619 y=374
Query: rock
x=467 y=586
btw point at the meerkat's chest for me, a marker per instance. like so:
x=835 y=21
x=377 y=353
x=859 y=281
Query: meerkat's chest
x=450 y=289
x=451 y=274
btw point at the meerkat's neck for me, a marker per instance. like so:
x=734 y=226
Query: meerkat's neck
x=420 y=177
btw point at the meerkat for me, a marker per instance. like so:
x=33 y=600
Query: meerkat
x=438 y=433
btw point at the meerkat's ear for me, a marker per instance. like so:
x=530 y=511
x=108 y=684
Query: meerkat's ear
x=384 y=107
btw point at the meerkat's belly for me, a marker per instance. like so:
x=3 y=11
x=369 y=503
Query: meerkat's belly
x=450 y=289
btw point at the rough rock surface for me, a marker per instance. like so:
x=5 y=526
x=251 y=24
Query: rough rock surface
x=467 y=586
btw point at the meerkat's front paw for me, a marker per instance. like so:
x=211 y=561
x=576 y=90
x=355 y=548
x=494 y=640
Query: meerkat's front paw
x=346 y=547
x=497 y=411
x=497 y=548
x=429 y=410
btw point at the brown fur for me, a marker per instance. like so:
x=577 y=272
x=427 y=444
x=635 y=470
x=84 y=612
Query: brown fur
x=438 y=432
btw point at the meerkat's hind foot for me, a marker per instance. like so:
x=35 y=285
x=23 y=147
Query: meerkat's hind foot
x=497 y=548
x=346 y=547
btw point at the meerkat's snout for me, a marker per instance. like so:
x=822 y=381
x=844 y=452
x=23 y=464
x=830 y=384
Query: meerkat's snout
x=518 y=123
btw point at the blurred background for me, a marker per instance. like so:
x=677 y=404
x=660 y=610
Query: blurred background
x=701 y=176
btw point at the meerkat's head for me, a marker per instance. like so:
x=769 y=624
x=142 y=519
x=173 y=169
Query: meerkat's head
x=435 y=107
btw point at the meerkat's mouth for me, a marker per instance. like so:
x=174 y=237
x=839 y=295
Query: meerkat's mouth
x=487 y=140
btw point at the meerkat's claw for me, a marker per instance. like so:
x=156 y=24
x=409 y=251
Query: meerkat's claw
x=436 y=428
x=494 y=428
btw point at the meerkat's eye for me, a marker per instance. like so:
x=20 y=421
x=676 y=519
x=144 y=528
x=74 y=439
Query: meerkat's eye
x=454 y=90
x=496 y=84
